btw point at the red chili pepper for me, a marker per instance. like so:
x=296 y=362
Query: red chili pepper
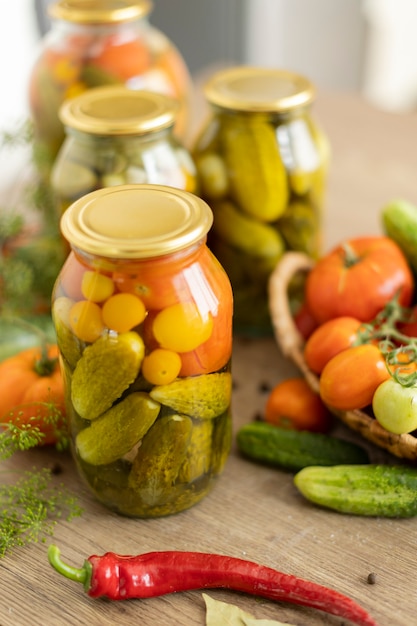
x=158 y=573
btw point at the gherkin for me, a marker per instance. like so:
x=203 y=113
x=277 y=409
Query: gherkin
x=201 y=397
x=159 y=458
x=105 y=371
x=258 y=178
x=247 y=234
x=118 y=430
x=197 y=461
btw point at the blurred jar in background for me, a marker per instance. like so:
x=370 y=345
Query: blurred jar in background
x=117 y=136
x=101 y=42
x=262 y=164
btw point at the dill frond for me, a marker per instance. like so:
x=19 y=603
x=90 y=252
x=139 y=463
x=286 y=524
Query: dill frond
x=30 y=509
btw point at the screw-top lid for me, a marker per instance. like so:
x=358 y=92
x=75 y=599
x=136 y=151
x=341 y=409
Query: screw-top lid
x=99 y=11
x=136 y=221
x=117 y=110
x=254 y=89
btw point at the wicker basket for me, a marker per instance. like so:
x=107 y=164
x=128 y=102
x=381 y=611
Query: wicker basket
x=291 y=344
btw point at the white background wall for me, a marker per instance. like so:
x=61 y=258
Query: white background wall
x=18 y=40
x=323 y=39
x=18 y=43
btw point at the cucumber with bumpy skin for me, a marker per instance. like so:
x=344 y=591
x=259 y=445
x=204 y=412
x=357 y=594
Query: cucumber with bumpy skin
x=294 y=449
x=368 y=490
x=399 y=220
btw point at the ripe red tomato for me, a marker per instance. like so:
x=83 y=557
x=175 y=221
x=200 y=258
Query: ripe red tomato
x=350 y=379
x=358 y=278
x=328 y=340
x=304 y=321
x=293 y=404
x=409 y=326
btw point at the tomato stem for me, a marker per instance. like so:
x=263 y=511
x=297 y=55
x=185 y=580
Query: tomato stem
x=399 y=350
x=350 y=255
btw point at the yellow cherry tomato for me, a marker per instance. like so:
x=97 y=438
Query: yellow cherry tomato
x=86 y=320
x=161 y=366
x=123 y=311
x=96 y=287
x=181 y=327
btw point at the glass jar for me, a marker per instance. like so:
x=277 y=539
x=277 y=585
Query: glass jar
x=143 y=316
x=262 y=164
x=101 y=42
x=117 y=136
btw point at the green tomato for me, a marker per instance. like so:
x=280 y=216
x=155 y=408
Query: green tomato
x=395 y=407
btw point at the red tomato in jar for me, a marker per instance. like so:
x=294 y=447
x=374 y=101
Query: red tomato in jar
x=329 y=339
x=358 y=278
x=350 y=379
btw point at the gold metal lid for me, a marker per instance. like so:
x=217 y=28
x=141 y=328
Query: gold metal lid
x=99 y=11
x=255 y=89
x=117 y=110
x=136 y=221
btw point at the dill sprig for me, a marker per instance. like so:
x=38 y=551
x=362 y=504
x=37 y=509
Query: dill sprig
x=26 y=434
x=31 y=255
x=31 y=507
x=31 y=248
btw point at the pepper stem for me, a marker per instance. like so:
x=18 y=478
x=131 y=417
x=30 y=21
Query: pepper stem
x=79 y=575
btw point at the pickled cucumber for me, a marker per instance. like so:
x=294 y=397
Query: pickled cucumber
x=300 y=228
x=69 y=344
x=159 y=458
x=246 y=234
x=301 y=181
x=213 y=175
x=222 y=442
x=115 y=432
x=72 y=180
x=201 y=397
x=197 y=461
x=320 y=175
x=258 y=178
x=109 y=365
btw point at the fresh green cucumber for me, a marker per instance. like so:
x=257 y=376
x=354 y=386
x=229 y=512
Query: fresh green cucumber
x=293 y=450
x=368 y=490
x=399 y=220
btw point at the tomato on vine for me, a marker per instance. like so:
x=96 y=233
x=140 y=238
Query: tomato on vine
x=358 y=278
x=395 y=406
x=329 y=339
x=350 y=379
x=305 y=322
x=409 y=325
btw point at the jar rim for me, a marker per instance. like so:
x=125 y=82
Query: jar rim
x=118 y=110
x=258 y=89
x=99 y=11
x=136 y=221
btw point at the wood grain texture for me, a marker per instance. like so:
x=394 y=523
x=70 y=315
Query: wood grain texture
x=253 y=512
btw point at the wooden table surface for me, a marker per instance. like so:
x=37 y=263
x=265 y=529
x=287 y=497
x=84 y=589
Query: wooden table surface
x=253 y=512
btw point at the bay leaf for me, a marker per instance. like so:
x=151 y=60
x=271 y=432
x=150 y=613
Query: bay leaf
x=225 y=614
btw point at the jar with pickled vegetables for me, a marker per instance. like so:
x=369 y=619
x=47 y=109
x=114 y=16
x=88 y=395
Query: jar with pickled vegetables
x=262 y=164
x=117 y=136
x=143 y=317
x=101 y=42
